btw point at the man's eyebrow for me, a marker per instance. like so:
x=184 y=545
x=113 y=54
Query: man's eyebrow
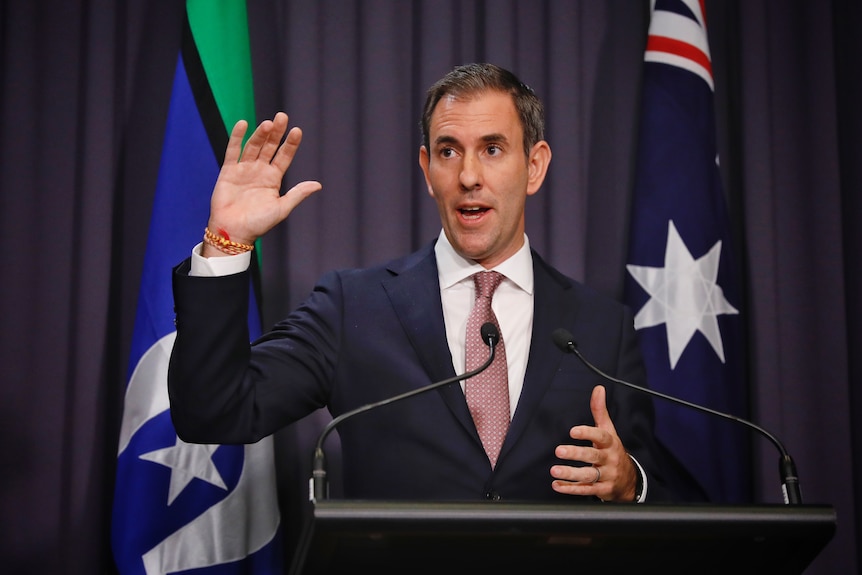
x=444 y=139
x=495 y=138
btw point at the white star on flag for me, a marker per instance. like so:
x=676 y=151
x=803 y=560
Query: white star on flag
x=684 y=295
x=187 y=461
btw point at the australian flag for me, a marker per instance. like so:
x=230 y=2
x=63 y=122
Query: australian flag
x=179 y=507
x=683 y=280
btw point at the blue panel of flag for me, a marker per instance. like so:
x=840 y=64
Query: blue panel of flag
x=182 y=508
x=683 y=281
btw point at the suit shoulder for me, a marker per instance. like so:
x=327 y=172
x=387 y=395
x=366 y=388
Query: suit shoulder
x=584 y=293
x=388 y=268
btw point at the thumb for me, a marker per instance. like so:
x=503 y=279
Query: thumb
x=295 y=195
x=599 y=408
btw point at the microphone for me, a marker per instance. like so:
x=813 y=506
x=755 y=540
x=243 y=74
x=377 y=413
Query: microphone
x=786 y=467
x=319 y=487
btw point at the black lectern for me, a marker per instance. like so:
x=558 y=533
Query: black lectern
x=348 y=536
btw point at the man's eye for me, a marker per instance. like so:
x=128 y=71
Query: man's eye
x=447 y=153
x=493 y=150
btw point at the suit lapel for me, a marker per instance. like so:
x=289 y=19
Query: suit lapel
x=414 y=291
x=552 y=309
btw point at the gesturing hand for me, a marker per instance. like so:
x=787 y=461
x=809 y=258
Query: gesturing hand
x=245 y=202
x=610 y=473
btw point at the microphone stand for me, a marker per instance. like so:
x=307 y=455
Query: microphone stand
x=319 y=488
x=786 y=467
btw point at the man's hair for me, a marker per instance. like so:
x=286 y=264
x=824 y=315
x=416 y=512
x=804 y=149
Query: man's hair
x=472 y=79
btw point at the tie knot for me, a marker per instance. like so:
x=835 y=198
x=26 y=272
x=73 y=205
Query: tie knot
x=486 y=283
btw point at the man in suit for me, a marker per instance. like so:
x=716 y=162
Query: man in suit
x=367 y=334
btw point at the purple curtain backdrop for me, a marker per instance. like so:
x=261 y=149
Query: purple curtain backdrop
x=84 y=96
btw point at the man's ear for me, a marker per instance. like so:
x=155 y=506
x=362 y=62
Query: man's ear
x=538 y=161
x=424 y=161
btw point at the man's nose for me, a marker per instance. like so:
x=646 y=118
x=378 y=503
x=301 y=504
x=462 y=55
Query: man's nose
x=471 y=172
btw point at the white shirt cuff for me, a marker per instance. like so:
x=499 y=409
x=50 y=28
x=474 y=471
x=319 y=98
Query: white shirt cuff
x=643 y=475
x=218 y=266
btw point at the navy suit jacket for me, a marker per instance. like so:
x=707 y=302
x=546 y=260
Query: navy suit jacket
x=367 y=334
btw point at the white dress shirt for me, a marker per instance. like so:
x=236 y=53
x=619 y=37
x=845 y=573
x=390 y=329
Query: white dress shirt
x=512 y=304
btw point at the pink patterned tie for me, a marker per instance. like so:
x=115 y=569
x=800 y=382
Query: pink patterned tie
x=488 y=392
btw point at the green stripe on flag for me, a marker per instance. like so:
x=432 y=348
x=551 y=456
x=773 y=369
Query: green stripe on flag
x=220 y=31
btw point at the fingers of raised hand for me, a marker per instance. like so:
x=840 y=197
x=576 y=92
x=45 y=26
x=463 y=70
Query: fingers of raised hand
x=265 y=140
x=272 y=140
x=285 y=153
x=234 y=144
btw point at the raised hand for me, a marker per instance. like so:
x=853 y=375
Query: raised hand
x=245 y=202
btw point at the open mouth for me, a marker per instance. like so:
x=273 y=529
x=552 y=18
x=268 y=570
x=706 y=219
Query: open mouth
x=473 y=213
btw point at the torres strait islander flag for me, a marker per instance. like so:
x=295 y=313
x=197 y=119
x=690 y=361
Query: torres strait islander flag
x=682 y=279
x=179 y=507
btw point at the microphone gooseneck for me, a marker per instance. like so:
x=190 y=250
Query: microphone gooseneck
x=786 y=467
x=319 y=488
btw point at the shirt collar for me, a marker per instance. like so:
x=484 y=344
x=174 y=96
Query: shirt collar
x=453 y=268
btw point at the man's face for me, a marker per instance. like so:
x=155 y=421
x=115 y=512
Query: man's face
x=477 y=172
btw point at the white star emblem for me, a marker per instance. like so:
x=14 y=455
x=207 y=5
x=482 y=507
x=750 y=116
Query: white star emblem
x=187 y=461
x=683 y=295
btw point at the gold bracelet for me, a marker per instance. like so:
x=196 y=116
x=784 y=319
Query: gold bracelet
x=225 y=245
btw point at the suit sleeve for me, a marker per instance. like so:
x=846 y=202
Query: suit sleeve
x=223 y=388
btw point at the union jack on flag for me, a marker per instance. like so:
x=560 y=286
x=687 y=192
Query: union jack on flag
x=682 y=278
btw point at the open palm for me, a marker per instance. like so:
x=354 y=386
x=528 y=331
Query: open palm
x=246 y=202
